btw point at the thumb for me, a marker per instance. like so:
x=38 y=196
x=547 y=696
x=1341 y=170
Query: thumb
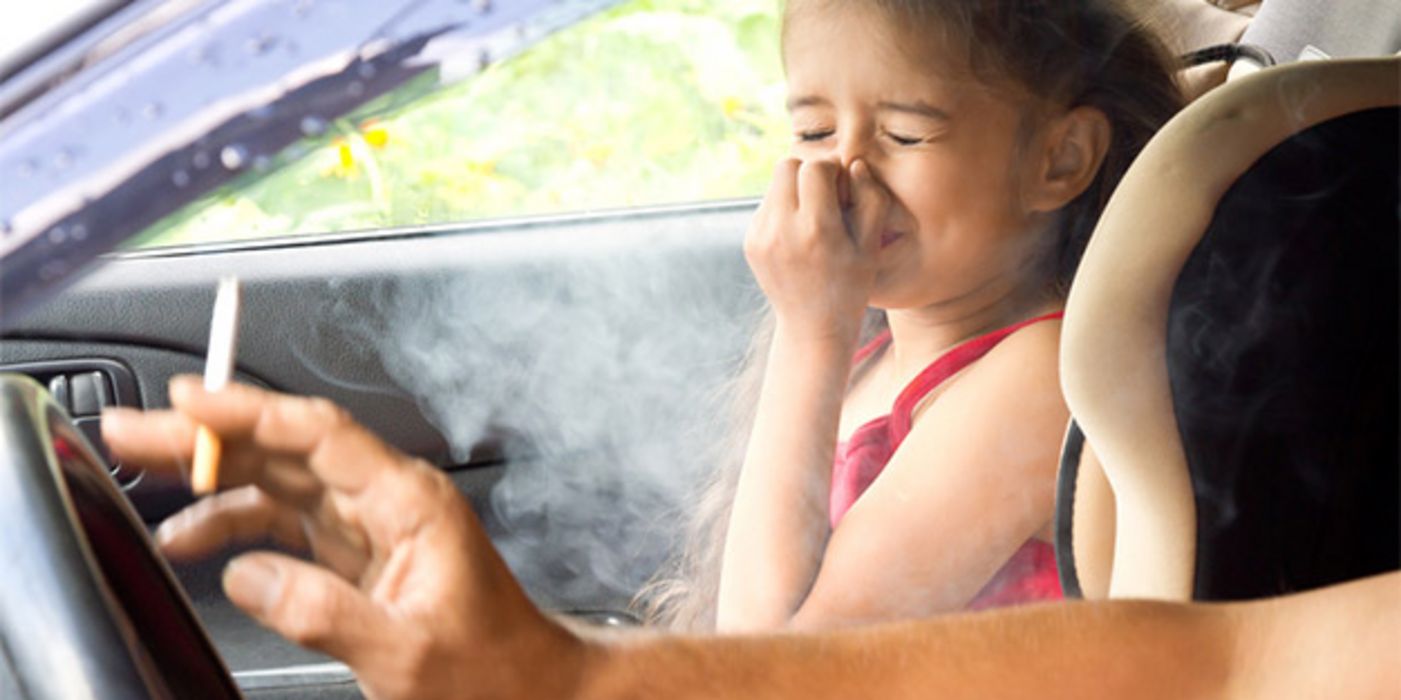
x=308 y=605
x=869 y=200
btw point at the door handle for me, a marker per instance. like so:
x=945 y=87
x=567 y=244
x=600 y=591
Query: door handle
x=83 y=387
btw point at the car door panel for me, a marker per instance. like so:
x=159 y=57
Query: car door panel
x=344 y=317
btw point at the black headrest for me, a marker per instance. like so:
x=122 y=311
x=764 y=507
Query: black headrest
x=1282 y=350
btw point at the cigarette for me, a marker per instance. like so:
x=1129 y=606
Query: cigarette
x=218 y=369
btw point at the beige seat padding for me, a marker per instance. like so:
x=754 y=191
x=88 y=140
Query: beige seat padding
x=1113 y=365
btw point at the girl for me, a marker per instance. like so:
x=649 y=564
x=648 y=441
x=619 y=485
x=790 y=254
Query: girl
x=950 y=158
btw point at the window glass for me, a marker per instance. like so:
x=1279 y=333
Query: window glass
x=650 y=102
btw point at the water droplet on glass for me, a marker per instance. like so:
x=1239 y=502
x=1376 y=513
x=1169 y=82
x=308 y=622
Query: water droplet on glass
x=481 y=6
x=313 y=125
x=233 y=156
x=260 y=45
x=58 y=235
x=180 y=178
x=79 y=232
x=64 y=159
x=302 y=8
x=123 y=116
x=200 y=160
x=208 y=55
x=355 y=89
x=152 y=110
x=366 y=70
x=28 y=168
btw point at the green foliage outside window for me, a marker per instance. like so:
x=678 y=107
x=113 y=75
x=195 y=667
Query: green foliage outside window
x=650 y=102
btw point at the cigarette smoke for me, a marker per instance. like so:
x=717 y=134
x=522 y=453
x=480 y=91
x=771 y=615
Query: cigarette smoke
x=592 y=361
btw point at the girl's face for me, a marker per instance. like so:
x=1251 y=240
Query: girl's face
x=957 y=236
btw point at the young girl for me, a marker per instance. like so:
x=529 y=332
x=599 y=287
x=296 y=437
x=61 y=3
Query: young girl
x=950 y=158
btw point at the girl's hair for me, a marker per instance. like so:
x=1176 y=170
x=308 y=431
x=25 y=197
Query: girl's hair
x=1068 y=53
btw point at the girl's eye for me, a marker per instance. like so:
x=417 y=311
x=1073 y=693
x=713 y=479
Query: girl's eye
x=815 y=135
x=903 y=140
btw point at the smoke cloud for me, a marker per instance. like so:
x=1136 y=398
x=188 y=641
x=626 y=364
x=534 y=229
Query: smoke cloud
x=597 y=366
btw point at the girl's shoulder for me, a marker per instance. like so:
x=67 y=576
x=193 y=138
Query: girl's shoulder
x=1033 y=339
x=1026 y=360
x=1020 y=372
x=1034 y=348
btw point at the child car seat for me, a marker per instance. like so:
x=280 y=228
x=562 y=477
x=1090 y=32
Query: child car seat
x=1230 y=346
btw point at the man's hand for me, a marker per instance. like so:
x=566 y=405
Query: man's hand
x=406 y=588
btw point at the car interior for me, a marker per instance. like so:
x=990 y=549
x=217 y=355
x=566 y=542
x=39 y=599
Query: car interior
x=1287 y=434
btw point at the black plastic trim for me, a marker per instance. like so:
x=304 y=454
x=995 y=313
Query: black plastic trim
x=1065 y=511
x=123 y=381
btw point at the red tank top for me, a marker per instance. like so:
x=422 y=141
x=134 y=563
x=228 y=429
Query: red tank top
x=1031 y=572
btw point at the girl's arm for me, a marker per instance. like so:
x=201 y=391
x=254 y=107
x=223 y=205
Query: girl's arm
x=816 y=270
x=973 y=481
x=779 y=523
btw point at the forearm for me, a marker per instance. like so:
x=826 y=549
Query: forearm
x=1340 y=641
x=1337 y=642
x=1116 y=649
x=779 y=523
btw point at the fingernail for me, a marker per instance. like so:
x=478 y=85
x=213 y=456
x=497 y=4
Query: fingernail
x=251 y=582
x=118 y=412
x=166 y=532
x=172 y=526
x=115 y=419
x=182 y=384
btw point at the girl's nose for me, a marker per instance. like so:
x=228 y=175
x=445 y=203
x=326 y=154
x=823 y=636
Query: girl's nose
x=848 y=151
x=852 y=147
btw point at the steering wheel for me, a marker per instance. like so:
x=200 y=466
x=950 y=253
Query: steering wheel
x=88 y=608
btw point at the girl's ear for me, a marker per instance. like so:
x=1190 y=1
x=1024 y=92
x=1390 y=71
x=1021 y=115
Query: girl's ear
x=1073 y=149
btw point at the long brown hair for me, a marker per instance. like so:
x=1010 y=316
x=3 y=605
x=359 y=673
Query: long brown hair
x=1069 y=53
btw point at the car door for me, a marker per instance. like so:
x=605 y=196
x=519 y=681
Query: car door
x=552 y=354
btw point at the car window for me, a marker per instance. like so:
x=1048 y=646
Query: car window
x=649 y=102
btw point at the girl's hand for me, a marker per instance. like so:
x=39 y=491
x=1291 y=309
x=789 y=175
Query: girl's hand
x=813 y=242
x=406 y=588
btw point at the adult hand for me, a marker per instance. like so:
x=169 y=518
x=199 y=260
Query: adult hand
x=406 y=589
x=813 y=242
